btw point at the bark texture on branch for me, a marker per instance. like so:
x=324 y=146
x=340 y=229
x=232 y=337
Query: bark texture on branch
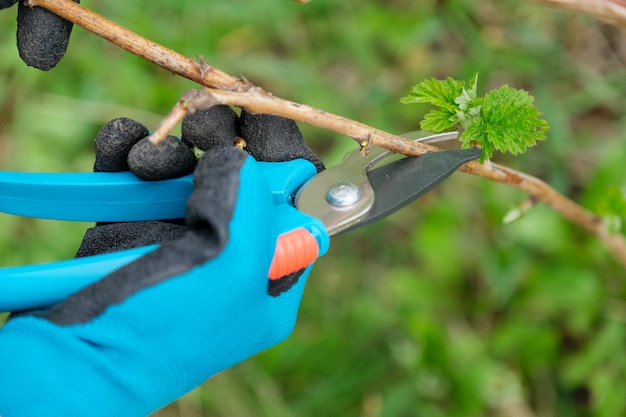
x=194 y=70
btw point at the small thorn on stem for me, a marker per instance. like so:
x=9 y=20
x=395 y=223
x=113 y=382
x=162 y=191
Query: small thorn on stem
x=205 y=67
x=242 y=84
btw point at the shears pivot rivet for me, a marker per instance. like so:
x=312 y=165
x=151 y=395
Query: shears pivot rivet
x=343 y=194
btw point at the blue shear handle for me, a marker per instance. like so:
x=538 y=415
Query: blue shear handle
x=38 y=286
x=93 y=196
x=121 y=196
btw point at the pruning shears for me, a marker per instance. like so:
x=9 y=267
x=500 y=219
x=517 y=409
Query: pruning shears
x=312 y=207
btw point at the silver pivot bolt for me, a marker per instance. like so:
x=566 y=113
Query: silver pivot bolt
x=343 y=194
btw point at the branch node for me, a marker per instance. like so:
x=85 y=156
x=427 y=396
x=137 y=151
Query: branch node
x=366 y=145
x=242 y=84
x=205 y=67
x=197 y=100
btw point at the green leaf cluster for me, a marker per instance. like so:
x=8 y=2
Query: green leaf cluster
x=504 y=120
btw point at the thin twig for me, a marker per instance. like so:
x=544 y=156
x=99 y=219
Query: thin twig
x=191 y=102
x=195 y=70
x=567 y=208
x=611 y=11
x=223 y=88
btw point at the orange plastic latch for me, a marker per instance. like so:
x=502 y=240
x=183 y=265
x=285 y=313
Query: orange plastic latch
x=295 y=250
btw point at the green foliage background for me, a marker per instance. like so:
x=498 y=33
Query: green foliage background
x=439 y=310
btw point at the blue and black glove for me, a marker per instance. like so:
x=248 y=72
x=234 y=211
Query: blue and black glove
x=42 y=36
x=153 y=330
x=119 y=145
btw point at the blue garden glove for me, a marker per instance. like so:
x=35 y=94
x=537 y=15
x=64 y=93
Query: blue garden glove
x=42 y=36
x=153 y=330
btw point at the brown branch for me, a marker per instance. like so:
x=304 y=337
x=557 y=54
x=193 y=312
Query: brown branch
x=611 y=11
x=223 y=88
x=168 y=59
x=567 y=208
x=258 y=100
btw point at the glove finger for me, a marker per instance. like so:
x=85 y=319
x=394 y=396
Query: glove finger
x=7 y=3
x=275 y=139
x=208 y=129
x=170 y=159
x=111 y=237
x=112 y=147
x=42 y=36
x=113 y=143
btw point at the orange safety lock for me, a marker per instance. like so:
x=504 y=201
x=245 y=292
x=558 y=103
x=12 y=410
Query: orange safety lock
x=295 y=250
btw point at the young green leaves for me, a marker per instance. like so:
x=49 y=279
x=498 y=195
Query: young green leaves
x=502 y=120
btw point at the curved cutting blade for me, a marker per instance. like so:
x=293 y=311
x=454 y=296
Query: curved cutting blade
x=403 y=181
x=357 y=192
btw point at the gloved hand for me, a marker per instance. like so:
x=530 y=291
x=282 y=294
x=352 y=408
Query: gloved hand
x=155 y=329
x=42 y=36
x=268 y=139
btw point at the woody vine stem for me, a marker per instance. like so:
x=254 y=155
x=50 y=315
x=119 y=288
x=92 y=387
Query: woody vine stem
x=223 y=88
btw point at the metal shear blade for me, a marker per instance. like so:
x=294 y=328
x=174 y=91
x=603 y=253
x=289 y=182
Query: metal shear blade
x=354 y=193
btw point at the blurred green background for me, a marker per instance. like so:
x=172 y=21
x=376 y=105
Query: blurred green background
x=440 y=310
